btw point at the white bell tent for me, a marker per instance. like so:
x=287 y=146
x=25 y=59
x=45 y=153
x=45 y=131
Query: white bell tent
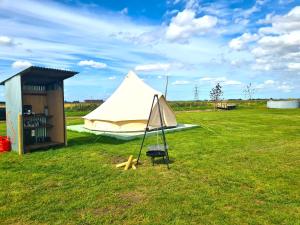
x=128 y=108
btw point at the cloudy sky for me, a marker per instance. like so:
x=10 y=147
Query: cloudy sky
x=193 y=42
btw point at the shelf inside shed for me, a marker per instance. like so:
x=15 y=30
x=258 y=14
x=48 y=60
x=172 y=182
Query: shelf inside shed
x=43 y=129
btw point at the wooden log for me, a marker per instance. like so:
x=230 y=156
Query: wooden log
x=121 y=164
x=133 y=167
x=124 y=163
x=128 y=162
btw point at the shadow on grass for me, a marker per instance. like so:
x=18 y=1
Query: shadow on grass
x=44 y=149
x=93 y=139
x=87 y=139
x=159 y=161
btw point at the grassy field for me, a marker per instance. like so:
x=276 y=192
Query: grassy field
x=81 y=109
x=239 y=167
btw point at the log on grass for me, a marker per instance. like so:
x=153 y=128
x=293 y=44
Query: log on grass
x=124 y=163
x=128 y=162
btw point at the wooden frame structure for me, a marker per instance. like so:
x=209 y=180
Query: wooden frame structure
x=225 y=106
x=156 y=151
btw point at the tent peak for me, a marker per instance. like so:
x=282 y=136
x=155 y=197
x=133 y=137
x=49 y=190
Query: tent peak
x=131 y=73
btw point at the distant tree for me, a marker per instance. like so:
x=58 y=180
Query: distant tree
x=249 y=92
x=215 y=94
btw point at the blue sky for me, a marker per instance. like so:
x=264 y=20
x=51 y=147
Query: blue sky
x=193 y=42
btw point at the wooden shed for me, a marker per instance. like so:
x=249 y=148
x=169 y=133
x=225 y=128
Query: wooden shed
x=35 y=116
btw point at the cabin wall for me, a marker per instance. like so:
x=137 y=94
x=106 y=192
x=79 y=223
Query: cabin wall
x=13 y=98
x=38 y=102
x=55 y=103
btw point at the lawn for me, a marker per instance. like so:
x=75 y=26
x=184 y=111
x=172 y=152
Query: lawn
x=239 y=167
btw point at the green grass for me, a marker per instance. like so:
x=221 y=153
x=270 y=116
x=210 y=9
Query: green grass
x=76 y=113
x=208 y=105
x=239 y=167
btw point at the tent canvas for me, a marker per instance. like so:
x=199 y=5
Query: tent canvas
x=128 y=108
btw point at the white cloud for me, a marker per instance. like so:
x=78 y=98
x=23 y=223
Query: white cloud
x=112 y=78
x=231 y=82
x=255 y=8
x=285 y=88
x=181 y=82
x=239 y=43
x=92 y=63
x=242 y=21
x=153 y=67
x=278 y=46
x=206 y=79
x=6 y=41
x=83 y=34
x=294 y=66
x=266 y=84
x=21 y=64
x=234 y=62
x=192 y=4
x=124 y=11
x=269 y=82
x=145 y=38
x=175 y=2
x=185 y=25
x=275 y=85
x=55 y=34
x=285 y=2
x=222 y=80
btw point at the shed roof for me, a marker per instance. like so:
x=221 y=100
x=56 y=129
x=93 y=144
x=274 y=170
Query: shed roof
x=42 y=75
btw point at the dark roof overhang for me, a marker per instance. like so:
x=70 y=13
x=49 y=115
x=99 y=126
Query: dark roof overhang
x=42 y=75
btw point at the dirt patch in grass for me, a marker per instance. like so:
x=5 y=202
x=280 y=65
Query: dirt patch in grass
x=113 y=159
x=228 y=207
x=133 y=197
x=109 y=210
x=117 y=159
x=126 y=201
x=105 y=211
x=259 y=202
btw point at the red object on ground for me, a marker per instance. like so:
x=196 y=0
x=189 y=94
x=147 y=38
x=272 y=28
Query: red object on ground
x=5 y=144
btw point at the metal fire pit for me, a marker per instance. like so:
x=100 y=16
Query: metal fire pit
x=155 y=151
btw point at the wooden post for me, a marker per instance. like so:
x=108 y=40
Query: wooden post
x=66 y=137
x=20 y=134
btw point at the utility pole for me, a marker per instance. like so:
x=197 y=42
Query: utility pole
x=166 y=88
x=196 y=93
